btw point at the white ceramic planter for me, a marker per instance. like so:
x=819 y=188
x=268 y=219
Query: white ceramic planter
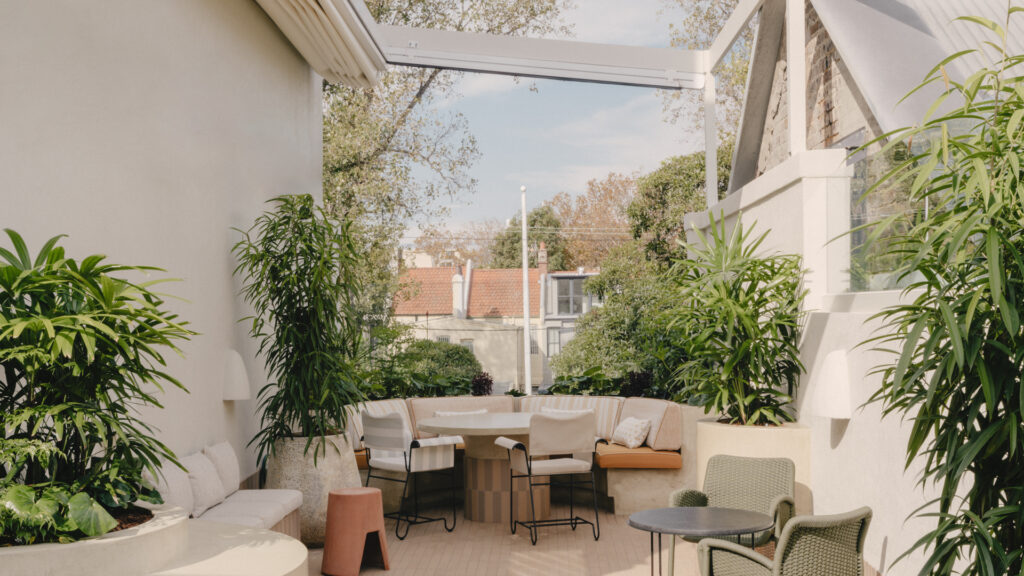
x=140 y=550
x=291 y=468
x=791 y=441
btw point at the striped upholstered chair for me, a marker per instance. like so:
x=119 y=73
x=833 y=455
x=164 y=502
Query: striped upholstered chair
x=390 y=447
x=832 y=545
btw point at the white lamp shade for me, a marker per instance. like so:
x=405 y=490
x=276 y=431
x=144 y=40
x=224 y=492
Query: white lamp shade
x=236 y=378
x=832 y=387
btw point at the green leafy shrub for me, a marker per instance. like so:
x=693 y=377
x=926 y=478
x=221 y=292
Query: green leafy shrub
x=957 y=349
x=737 y=326
x=444 y=359
x=424 y=368
x=298 y=264
x=591 y=382
x=81 y=352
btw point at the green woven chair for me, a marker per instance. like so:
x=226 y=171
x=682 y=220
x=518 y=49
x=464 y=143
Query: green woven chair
x=762 y=485
x=809 y=546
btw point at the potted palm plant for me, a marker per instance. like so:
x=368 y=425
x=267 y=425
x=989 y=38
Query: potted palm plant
x=737 y=327
x=298 y=267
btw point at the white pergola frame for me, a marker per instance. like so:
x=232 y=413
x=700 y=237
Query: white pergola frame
x=342 y=42
x=662 y=68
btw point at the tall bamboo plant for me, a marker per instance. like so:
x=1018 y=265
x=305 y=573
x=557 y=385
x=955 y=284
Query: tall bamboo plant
x=958 y=347
x=299 y=267
x=737 y=326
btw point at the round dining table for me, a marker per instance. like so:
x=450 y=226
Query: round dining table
x=489 y=489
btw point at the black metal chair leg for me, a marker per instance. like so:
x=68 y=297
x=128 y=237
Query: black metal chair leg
x=454 y=513
x=401 y=512
x=597 y=517
x=572 y=503
x=511 y=501
x=533 y=517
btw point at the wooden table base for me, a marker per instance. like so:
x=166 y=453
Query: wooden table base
x=488 y=492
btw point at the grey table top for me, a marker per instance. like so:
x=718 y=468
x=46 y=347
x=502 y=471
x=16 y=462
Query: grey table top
x=700 y=522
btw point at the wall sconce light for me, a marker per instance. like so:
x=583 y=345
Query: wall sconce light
x=832 y=387
x=236 y=378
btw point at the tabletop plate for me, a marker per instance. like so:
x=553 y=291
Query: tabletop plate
x=700 y=522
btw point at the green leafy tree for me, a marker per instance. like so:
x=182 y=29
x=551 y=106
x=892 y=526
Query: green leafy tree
x=299 y=266
x=542 y=226
x=81 y=351
x=624 y=335
x=394 y=155
x=737 y=323
x=666 y=195
x=957 y=348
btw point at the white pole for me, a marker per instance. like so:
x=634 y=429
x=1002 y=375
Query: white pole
x=528 y=377
x=710 y=142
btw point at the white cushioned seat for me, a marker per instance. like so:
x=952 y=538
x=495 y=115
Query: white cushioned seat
x=239 y=519
x=290 y=499
x=269 y=513
x=207 y=489
x=558 y=466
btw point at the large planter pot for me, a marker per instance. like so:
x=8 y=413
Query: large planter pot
x=291 y=467
x=139 y=550
x=791 y=441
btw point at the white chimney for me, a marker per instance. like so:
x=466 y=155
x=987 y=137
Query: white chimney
x=458 y=305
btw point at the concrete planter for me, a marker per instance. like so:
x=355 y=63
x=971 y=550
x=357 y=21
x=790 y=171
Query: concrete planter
x=140 y=550
x=291 y=467
x=791 y=441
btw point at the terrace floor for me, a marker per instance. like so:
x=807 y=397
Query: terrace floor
x=480 y=549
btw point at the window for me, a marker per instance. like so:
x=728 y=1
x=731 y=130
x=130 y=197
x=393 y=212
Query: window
x=444 y=339
x=534 y=347
x=570 y=296
x=466 y=343
x=559 y=337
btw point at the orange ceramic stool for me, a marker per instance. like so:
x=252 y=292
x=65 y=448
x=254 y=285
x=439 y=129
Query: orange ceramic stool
x=355 y=531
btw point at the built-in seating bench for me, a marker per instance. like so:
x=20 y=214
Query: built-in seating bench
x=632 y=478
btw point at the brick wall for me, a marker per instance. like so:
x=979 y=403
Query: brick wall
x=835 y=108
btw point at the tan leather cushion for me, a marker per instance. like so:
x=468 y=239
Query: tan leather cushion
x=423 y=408
x=615 y=456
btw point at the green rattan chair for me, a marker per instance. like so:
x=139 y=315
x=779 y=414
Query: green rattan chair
x=809 y=546
x=762 y=485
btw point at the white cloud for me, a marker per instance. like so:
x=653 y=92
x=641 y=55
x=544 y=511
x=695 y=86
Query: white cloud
x=632 y=22
x=472 y=85
x=628 y=138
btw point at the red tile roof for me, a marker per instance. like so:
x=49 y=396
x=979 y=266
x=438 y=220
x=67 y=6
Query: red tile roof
x=429 y=291
x=495 y=292
x=498 y=292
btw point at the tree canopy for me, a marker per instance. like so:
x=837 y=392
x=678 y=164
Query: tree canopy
x=542 y=226
x=666 y=195
x=595 y=222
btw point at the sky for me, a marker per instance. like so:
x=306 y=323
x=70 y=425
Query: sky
x=564 y=134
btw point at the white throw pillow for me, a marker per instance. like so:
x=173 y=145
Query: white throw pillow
x=631 y=432
x=226 y=462
x=207 y=489
x=457 y=413
x=173 y=486
x=565 y=411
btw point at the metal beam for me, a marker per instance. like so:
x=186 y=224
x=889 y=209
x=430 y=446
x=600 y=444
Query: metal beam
x=664 y=68
x=734 y=26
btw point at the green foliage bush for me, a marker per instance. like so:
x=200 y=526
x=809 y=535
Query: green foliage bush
x=737 y=325
x=81 y=351
x=424 y=368
x=957 y=346
x=622 y=340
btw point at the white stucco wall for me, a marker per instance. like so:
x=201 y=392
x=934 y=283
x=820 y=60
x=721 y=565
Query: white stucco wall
x=804 y=202
x=145 y=130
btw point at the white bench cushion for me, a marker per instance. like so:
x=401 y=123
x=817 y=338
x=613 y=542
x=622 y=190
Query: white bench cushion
x=173 y=486
x=223 y=457
x=666 y=428
x=207 y=490
x=268 y=506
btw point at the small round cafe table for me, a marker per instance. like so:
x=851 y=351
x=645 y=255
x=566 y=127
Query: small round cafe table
x=488 y=488
x=697 y=522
